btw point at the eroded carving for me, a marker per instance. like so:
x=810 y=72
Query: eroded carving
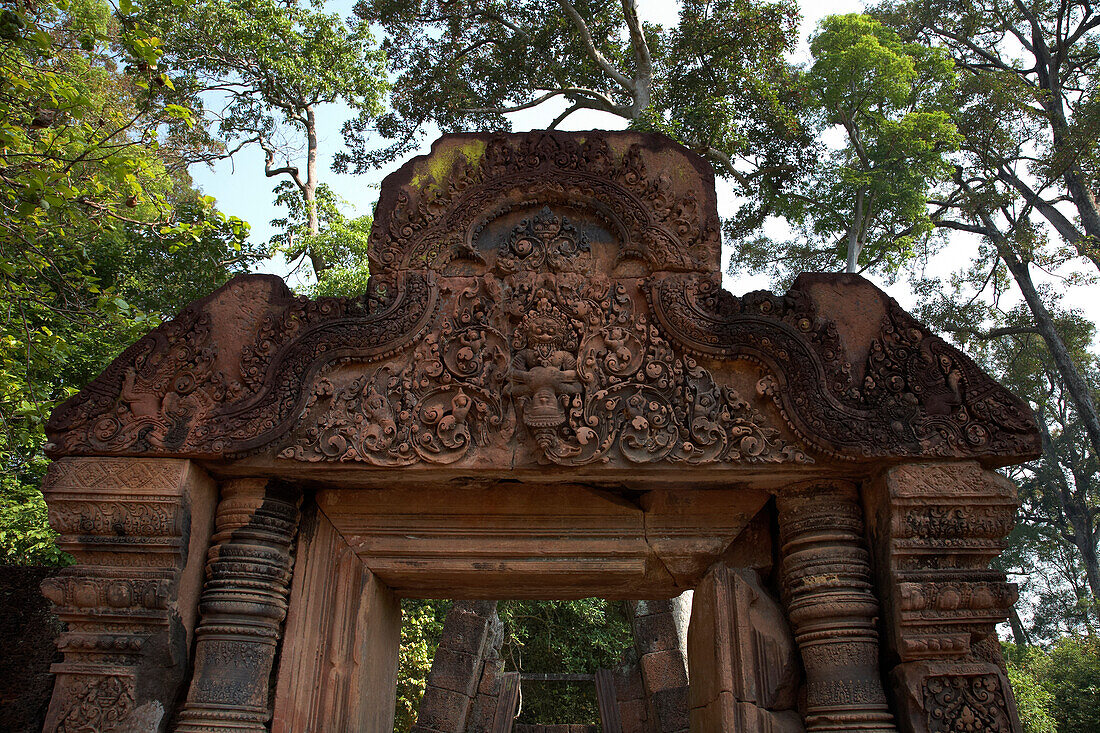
x=128 y=522
x=544 y=297
x=244 y=601
x=917 y=395
x=589 y=378
x=832 y=607
x=955 y=703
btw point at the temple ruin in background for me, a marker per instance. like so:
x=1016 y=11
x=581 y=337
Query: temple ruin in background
x=545 y=393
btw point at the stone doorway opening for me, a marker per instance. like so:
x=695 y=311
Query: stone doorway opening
x=539 y=662
x=363 y=548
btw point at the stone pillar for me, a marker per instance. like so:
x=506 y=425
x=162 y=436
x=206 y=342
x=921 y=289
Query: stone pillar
x=243 y=605
x=832 y=607
x=338 y=662
x=744 y=663
x=935 y=528
x=663 y=663
x=138 y=528
x=471 y=634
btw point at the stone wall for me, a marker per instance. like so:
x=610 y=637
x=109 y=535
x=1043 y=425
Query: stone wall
x=29 y=631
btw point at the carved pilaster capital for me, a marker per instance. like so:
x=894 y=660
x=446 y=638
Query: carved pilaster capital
x=936 y=527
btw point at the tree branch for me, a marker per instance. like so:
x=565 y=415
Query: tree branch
x=586 y=37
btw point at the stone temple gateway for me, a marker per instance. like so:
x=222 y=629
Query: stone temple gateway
x=545 y=393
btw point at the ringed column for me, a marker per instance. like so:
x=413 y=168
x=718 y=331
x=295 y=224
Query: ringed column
x=832 y=607
x=243 y=604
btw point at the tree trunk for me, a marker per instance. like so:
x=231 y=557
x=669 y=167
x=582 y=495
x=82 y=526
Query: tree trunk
x=853 y=235
x=1088 y=555
x=1019 y=633
x=1076 y=514
x=1050 y=80
x=309 y=190
x=1044 y=323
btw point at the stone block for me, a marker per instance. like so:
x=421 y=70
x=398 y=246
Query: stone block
x=664 y=670
x=944 y=697
x=442 y=710
x=655 y=633
x=455 y=671
x=671 y=709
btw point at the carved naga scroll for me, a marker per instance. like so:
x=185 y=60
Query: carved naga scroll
x=547 y=298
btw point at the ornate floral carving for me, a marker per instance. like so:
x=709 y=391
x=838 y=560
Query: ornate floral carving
x=167 y=394
x=128 y=523
x=101 y=707
x=542 y=346
x=659 y=222
x=966 y=704
x=490 y=238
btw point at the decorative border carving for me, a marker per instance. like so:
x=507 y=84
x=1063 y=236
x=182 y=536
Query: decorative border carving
x=919 y=396
x=129 y=522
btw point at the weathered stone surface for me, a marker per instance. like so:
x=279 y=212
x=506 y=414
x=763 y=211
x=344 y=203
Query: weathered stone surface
x=243 y=604
x=938 y=697
x=831 y=604
x=547 y=298
x=338 y=661
x=544 y=393
x=28 y=630
x=935 y=529
x=742 y=655
x=469 y=648
x=137 y=528
x=556 y=540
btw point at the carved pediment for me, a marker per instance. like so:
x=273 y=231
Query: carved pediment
x=546 y=299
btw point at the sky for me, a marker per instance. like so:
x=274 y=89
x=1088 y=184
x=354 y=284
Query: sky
x=242 y=190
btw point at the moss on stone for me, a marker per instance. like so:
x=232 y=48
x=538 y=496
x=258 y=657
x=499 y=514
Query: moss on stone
x=438 y=166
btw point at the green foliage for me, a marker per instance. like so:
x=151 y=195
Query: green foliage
x=260 y=72
x=269 y=62
x=421 y=628
x=563 y=636
x=1034 y=702
x=866 y=199
x=95 y=214
x=1058 y=688
x=341 y=243
x=717 y=81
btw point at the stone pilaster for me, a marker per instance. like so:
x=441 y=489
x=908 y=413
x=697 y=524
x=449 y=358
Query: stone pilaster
x=832 y=606
x=744 y=664
x=138 y=528
x=244 y=602
x=935 y=528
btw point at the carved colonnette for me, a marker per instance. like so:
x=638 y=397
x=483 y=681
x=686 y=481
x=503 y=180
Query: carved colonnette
x=936 y=528
x=138 y=529
x=829 y=594
x=243 y=604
